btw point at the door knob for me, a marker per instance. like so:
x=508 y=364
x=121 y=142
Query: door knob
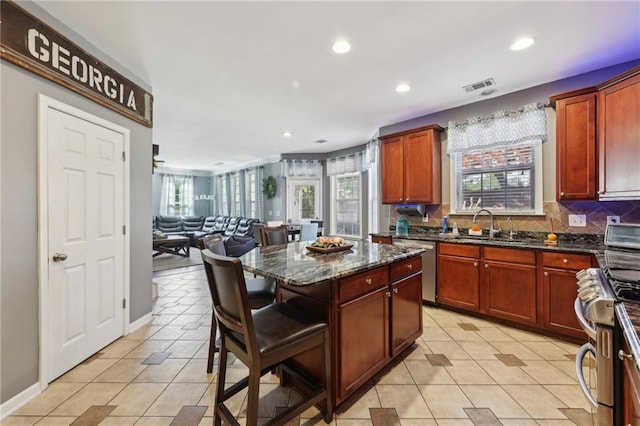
x=59 y=257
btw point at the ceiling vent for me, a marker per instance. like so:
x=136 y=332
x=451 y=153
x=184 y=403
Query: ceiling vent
x=479 y=85
x=320 y=141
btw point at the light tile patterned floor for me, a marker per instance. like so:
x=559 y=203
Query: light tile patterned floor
x=462 y=371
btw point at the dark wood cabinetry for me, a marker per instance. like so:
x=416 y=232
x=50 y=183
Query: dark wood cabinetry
x=411 y=166
x=381 y=240
x=619 y=137
x=509 y=281
x=406 y=288
x=558 y=292
x=598 y=141
x=576 y=162
x=458 y=278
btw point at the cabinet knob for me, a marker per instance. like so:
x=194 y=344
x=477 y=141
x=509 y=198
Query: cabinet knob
x=388 y=293
x=395 y=290
x=475 y=263
x=562 y=194
x=565 y=261
x=409 y=266
x=486 y=265
x=368 y=281
x=546 y=274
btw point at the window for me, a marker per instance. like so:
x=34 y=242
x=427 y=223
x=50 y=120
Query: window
x=251 y=190
x=303 y=199
x=346 y=207
x=177 y=195
x=499 y=178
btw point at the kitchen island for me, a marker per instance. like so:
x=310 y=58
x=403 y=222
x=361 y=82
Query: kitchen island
x=370 y=295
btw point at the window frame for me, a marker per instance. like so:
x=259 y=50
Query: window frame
x=538 y=183
x=334 y=204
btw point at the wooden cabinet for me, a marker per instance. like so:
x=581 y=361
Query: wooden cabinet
x=363 y=341
x=630 y=389
x=509 y=281
x=576 y=154
x=458 y=278
x=379 y=315
x=558 y=282
x=381 y=239
x=411 y=166
x=619 y=137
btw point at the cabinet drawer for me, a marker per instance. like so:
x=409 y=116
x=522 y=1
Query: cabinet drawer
x=501 y=254
x=464 y=250
x=365 y=282
x=566 y=260
x=381 y=240
x=405 y=268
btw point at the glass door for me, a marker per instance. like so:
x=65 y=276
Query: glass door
x=303 y=199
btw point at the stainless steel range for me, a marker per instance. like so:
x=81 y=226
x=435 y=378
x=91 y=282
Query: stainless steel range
x=598 y=291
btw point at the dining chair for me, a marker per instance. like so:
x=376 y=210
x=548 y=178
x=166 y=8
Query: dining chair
x=274 y=235
x=308 y=231
x=257 y=235
x=260 y=292
x=262 y=340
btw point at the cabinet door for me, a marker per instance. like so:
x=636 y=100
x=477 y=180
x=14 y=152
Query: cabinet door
x=510 y=291
x=363 y=341
x=422 y=168
x=630 y=389
x=559 y=293
x=392 y=170
x=576 y=148
x=619 y=139
x=406 y=312
x=458 y=282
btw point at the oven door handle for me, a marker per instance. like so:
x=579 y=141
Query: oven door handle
x=588 y=328
x=582 y=352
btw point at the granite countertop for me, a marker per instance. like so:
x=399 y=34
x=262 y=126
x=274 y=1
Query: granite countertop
x=294 y=265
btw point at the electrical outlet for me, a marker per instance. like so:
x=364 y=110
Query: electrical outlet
x=613 y=219
x=278 y=213
x=425 y=218
x=578 y=220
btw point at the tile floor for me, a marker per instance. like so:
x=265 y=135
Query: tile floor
x=462 y=371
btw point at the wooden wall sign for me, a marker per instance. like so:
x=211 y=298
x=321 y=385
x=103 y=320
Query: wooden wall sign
x=30 y=43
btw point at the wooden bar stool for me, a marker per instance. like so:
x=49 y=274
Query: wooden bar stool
x=266 y=338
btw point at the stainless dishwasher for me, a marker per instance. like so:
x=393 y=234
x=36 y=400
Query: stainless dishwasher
x=428 y=265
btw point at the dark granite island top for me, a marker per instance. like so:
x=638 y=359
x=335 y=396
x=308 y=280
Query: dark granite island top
x=370 y=295
x=294 y=265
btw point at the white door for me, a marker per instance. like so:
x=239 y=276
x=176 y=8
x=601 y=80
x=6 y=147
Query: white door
x=85 y=239
x=303 y=199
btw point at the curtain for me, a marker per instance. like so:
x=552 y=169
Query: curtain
x=259 y=197
x=244 y=196
x=188 y=194
x=218 y=186
x=229 y=196
x=356 y=162
x=299 y=168
x=167 y=195
x=502 y=128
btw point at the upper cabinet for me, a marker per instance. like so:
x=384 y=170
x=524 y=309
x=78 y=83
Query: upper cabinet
x=619 y=137
x=598 y=141
x=411 y=166
x=576 y=176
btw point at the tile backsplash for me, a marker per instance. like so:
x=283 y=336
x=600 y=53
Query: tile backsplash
x=596 y=215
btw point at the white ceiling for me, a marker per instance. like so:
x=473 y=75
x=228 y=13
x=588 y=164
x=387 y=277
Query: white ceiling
x=223 y=73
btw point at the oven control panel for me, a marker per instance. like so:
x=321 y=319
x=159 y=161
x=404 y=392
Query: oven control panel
x=596 y=296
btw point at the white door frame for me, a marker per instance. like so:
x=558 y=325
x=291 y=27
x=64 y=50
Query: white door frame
x=291 y=182
x=46 y=103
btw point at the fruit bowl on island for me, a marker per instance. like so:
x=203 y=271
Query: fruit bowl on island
x=328 y=245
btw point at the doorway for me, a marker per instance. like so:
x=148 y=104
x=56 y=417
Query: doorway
x=303 y=199
x=83 y=243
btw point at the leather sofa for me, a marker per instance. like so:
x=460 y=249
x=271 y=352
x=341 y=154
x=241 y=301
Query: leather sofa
x=196 y=227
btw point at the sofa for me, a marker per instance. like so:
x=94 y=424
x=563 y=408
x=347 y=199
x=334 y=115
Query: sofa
x=237 y=231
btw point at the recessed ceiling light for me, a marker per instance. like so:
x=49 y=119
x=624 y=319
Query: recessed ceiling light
x=286 y=134
x=341 y=46
x=522 y=43
x=295 y=84
x=402 y=88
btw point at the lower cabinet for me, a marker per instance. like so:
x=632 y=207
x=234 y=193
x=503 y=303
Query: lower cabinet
x=458 y=279
x=509 y=281
x=558 y=284
x=364 y=339
x=406 y=320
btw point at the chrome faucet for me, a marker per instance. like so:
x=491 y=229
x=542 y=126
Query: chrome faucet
x=511 y=231
x=491 y=230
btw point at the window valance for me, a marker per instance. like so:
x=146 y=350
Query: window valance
x=300 y=168
x=527 y=124
x=356 y=162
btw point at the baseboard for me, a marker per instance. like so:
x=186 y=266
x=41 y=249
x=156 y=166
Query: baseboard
x=19 y=400
x=140 y=322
